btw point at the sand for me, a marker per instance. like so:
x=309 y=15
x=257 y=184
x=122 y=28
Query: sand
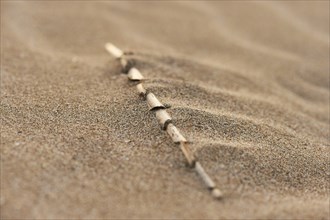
x=248 y=85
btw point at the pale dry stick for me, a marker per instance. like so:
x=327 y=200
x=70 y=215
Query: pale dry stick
x=165 y=120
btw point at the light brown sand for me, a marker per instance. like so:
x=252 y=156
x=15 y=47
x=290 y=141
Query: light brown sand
x=248 y=84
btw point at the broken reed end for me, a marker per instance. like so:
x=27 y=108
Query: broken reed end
x=217 y=194
x=113 y=50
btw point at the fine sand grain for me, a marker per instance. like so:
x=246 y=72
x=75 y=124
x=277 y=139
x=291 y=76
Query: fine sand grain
x=248 y=85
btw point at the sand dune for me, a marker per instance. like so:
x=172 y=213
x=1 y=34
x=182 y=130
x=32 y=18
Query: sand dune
x=248 y=84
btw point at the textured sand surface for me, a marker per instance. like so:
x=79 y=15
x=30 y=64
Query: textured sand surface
x=248 y=84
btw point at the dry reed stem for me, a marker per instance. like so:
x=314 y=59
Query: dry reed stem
x=164 y=119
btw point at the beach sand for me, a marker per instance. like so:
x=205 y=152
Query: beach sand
x=248 y=85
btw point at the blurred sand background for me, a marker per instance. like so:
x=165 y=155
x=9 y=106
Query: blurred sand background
x=248 y=83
